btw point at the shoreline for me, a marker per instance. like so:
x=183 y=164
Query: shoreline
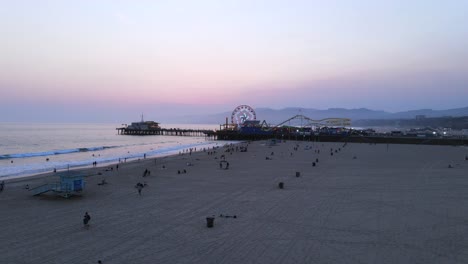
x=157 y=154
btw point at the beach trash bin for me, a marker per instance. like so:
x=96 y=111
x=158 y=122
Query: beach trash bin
x=281 y=185
x=210 y=221
x=298 y=174
x=313 y=164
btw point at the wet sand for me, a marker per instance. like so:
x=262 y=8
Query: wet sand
x=363 y=204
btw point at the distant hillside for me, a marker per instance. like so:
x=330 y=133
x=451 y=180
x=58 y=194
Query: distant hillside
x=434 y=122
x=432 y=113
x=275 y=116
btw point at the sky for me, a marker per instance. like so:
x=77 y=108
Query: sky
x=103 y=60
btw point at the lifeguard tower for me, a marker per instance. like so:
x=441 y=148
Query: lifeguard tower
x=71 y=183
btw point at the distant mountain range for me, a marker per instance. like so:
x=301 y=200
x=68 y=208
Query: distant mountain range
x=274 y=116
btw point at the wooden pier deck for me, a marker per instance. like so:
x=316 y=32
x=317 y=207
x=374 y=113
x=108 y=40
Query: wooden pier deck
x=167 y=132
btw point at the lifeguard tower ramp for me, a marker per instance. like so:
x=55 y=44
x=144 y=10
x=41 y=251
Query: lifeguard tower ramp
x=71 y=183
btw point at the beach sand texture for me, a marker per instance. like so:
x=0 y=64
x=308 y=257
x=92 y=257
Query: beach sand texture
x=365 y=203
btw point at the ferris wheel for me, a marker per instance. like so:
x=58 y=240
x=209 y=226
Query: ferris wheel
x=242 y=113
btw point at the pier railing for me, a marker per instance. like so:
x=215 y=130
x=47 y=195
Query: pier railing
x=235 y=135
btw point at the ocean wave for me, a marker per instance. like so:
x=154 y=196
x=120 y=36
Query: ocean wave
x=53 y=152
x=17 y=171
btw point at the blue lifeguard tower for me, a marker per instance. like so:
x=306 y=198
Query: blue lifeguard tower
x=71 y=183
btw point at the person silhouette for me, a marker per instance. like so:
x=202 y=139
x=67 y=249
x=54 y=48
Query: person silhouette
x=86 y=219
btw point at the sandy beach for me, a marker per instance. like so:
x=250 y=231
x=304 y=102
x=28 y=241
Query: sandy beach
x=366 y=203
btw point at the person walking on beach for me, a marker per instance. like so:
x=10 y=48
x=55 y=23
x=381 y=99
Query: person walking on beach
x=86 y=219
x=139 y=186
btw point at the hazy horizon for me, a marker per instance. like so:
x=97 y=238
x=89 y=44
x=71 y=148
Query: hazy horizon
x=110 y=61
x=215 y=118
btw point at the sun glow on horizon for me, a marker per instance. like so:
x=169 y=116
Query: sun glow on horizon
x=347 y=54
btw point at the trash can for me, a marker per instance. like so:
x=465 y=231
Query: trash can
x=313 y=164
x=281 y=185
x=210 y=221
x=298 y=174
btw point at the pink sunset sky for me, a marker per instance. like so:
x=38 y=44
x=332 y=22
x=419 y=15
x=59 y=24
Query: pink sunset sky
x=107 y=60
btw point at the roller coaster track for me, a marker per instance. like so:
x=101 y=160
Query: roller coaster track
x=322 y=122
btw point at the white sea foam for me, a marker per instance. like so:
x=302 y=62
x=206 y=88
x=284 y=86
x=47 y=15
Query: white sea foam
x=62 y=146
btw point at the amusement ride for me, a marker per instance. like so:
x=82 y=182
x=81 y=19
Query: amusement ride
x=244 y=115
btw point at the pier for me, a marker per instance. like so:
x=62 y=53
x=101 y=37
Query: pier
x=382 y=139
x=151 y=128
x=236 y=135
x=166 y=132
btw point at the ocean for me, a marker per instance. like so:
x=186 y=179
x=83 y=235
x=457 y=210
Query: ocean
x=28 y=149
